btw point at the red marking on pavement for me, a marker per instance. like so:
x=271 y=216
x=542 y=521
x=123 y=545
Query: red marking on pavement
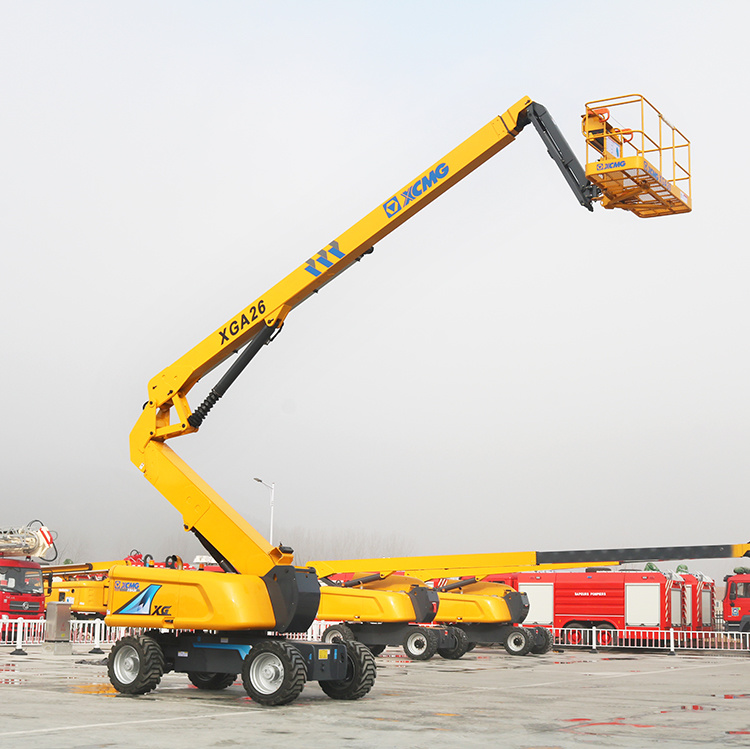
x=616 y=723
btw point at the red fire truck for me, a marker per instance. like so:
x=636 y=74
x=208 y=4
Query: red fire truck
x=700 y=598
x=639 y=602
x=736 y=604
x=21 y=593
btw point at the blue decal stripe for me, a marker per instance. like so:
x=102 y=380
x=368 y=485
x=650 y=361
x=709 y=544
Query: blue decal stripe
x=243 y=650
x=310 y=268
x=141 y=604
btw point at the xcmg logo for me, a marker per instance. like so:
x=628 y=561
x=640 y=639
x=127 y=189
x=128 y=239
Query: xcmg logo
x=600 y=167
x=127 y=586
x=420 y=187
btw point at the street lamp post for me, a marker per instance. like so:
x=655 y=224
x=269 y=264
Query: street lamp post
x=270 y=486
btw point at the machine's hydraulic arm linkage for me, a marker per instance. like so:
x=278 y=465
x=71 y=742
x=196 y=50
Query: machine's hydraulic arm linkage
x=233 y=542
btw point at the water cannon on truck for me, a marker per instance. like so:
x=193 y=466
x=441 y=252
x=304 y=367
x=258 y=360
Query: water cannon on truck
x=21 y=592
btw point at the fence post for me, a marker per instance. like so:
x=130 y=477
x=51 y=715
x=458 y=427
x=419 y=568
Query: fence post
x=671 y=642
x=20 y=623
x=97 y=636
x=593 y=639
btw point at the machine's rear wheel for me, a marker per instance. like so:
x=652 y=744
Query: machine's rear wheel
x=273 y=673
x=542 y=641
x=211 y=681
x=337 y=633
x=519 y=641
x=135 y=665
x=360 y=674
x=420 y=644
x=461 y=647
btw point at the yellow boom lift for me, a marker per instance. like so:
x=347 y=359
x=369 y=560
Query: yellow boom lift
x=461 y=575
x=213 y=626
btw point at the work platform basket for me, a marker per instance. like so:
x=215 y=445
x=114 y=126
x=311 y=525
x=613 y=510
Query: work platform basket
x=639 y=161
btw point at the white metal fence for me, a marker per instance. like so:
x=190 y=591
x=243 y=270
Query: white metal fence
x=21 y=632
x=672 y=640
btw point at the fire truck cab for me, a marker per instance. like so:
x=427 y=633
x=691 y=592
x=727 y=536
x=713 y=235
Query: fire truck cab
x=736 y=604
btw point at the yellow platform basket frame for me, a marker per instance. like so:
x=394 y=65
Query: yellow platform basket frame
x=639 y=161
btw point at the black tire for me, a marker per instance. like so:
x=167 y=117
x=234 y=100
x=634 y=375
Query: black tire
x=606 y=636
x=471 y=647
x=543 y=641
x=337 y=633
x=211 y=681
x=519 y=641
x=461 y=647
x=420 y=643
x=376 y=649
x=273 y=673
x=135 y=665
x=572 y=635
x=360 y=674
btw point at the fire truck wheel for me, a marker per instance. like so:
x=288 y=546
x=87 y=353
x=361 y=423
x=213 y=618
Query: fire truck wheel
x=606 y=635
x=376 y=649
x=420 y=644
x=360 y=674
x=337 y=633
x=519 y=641
x=542 y=641
x=461 y=647
x=211 y=681
x=135 y=665
x=273 y=673
x=573 y=634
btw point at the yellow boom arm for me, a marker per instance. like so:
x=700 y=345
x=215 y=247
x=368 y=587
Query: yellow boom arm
x=166 y=414
x=480 y=565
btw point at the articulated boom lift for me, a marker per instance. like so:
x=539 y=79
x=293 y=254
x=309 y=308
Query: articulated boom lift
x=264 y=591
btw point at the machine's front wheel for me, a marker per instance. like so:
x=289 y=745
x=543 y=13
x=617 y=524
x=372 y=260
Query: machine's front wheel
x=519 y=641
x=420 y=644
x=360 y=674
x=461 y=647
x=338 y=633
x=211 y=681
x=273 y=673
x=135 y=665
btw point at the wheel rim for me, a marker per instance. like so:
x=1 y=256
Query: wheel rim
x=516 y=641
x=417 y=643
x=267 y=673
x=127 y=664
x=333 y=637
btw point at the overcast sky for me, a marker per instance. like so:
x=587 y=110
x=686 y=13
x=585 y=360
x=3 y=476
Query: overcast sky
x=506 y=372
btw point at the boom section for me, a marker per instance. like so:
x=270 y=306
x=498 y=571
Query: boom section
x=480 y=565
x=272 y=307
x=220 y=528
